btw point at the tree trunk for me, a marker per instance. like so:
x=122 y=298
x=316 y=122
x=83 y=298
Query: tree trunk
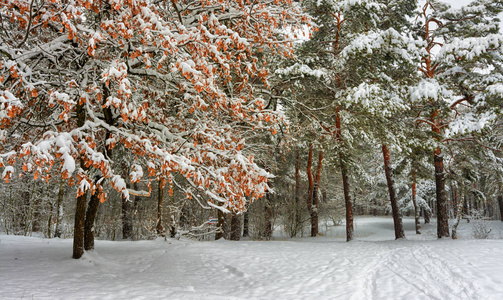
x=268 y=214
x=500 y=203
x=49 y=221
x=59 y=207
x=298 y=213
x=171 y=222
x=397 y=219
x=416 y=209
x=442 y=217
x=127 y=222
x=80 y=210
x=310 y=190
x=221 y=225
x=235 y=227
x=78 y=229
x=459 y=214
x=246 y=221
x=316 y=187
x=345 y=180
x=427 y=216
x=160 y=198
x=455 y=201
x=35 y=209
x=92 y=210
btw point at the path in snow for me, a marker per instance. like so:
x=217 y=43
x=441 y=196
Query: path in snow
x=372 y=267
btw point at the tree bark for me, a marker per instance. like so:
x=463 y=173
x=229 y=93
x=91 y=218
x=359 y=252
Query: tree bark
x=235 y=227
x=59 y=212
x=397 y=219
x=221 y=225
x=427 y=216
x=268 y=214
x=94 y=201
x=298 y=213
x=160 y=198
x=80 y=210
x=246 y=221
x=416 y=209
x=316 y=187
x=442 y=217
x=35 y=209
x=500 y=204
x=127 y=221
x=78 y=229
x=345 y=180
x=310 y=190
x=459 y=214
x=92 y=210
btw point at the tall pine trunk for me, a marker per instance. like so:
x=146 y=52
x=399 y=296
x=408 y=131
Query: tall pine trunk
x=397 y=219
x=427 y=216
x=160 y=198
x=310 y=179
x=442 y=217
x=500 y=203
x=416 y=208
x=316 y=187
x=345 y=179
x=298 y=214
x=459 y=214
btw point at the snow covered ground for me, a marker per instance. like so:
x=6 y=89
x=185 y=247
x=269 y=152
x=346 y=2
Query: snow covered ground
x=326 y=267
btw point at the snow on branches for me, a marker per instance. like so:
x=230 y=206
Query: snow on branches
x=171 y=82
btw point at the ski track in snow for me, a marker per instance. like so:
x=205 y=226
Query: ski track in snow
x=371 y=267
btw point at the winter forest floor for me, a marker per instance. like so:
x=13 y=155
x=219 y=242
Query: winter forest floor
x=374 y=266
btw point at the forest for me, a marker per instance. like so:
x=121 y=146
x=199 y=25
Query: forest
x=220 y=119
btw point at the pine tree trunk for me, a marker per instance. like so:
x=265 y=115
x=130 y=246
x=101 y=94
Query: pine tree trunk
x=455 y=200
x=345 y=180
x=347 y=200
x=297 y=212
x=309 y=200
x=416 y=209
x=235 y=227
x=397 y=219
x=314 y=210
x=442 y=217
x=459 y=214
x=500 y=203
x=160 y=198
x=78 y=229
x=427 y=216
x=59 y=212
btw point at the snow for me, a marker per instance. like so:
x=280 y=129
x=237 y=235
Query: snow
x=374 y=266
